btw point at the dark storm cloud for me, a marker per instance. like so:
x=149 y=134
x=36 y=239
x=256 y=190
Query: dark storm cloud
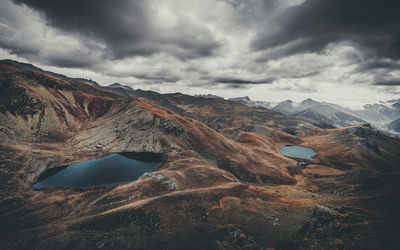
x=306 y=75
x=385 y=78
x=125 y=27
x=376 y=64
x=151 y=75
x=158 y=78
x=374 y=26
x=66 y=61
x=237 y=81
x=9 y=15
x=210 y=44
x=234 y=3
x=23 y=33
x=381 y=69
x=391 y=82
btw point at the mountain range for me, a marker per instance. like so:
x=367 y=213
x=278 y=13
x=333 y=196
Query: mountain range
x=378 y=115
x=321 y=111
x=223 y=182
x=382 y=115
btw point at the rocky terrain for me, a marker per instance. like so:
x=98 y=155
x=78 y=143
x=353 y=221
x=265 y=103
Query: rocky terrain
x=223 y=183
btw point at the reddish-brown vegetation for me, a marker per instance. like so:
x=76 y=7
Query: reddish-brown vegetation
x=96 y=105
x=223 y=183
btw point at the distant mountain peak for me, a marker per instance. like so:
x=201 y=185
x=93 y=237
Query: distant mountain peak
x=285 y=103
x=394 y=101
x=208 y=96
x=245 y=100
x=320 y=111
x=309 y=101
x=118 y=85
x=241 y=98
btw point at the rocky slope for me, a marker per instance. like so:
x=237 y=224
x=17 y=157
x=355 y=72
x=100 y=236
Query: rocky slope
x=394 y=125
x=382 y=112
x=222 y=185
x=224 y=116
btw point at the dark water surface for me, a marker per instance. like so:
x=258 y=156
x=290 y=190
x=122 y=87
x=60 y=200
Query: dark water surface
x=107 y=171
x=298 y=152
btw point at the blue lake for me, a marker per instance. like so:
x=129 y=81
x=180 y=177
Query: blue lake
x=107 y=171
x=298 y=152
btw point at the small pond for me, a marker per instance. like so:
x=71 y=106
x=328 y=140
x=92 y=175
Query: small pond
x=298 y=152
x=107 y=171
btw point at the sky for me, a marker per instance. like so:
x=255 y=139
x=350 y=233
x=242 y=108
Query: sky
x=340 y=51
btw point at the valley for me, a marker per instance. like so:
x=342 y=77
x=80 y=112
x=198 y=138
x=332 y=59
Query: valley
x=221 y=182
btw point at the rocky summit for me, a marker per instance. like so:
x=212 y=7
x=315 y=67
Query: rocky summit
x=222 y=182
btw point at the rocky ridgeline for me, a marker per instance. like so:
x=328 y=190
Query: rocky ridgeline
x=222 y=184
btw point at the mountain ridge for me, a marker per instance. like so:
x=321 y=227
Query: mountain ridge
x=222 y=181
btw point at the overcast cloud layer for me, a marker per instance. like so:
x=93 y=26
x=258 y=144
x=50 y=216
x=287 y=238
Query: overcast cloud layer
x=340 y=51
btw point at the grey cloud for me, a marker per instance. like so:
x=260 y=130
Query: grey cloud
x=211 y=44
x=306 y=75
x=296 y=87
x=148 y=74
x=67 y=61
x=371 y=25
x=391 y=82
x=237 y=86
x=385 y=78
x=159 y=78
x=375 y=64
x=238 y=81
x=382 y=69
x=10 y=21
x=125 y=27
x=234 y=3
x=393 y=89
x=23 y=33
